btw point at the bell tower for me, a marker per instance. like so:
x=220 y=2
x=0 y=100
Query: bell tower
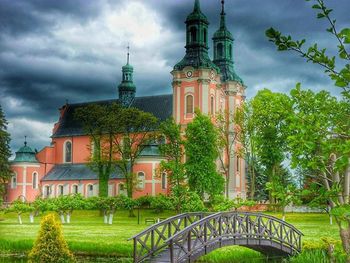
x=127 y=88
x=195 y=76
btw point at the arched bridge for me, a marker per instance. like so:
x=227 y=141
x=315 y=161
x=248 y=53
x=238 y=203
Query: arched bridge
x=186 y=237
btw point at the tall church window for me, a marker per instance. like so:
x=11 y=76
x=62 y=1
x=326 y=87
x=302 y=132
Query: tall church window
x=121 y=189
x=189 y=104
x=60 y=190
x=230 y=50
x=238 y=164
x=68 y=152
x=14 y=181
x=75 y=189
x=141 y=180
x=193 y=34
x=35 y=180
x=90 y=190
x=212 y=110
x=164 y=181
x=220 y=50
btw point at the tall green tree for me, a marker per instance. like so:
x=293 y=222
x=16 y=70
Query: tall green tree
x=5 y=154
x=269 y=113
x=135 y=130
x=201 y=156
x=173 y=151
x=328 y=147
x=96 y=120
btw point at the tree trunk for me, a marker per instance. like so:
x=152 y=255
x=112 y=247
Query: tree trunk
x=129 y=189
x=110 y=219
x=19 y=219
x=62 y=218
x=31 y=217
x=103 y=185
x=227 y=172
x=68 y=217
x=345 y=238
x=252 y=181
x=105 y=217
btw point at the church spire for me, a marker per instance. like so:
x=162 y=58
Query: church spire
x=127 y=88
x=223 y=43
x=197 y=6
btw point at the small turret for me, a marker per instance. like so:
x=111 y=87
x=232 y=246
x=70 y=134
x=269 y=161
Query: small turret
x=25 y=154
x=127 y=88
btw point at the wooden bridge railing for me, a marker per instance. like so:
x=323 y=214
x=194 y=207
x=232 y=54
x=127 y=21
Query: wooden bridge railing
x=152 y=239
x=228 y=227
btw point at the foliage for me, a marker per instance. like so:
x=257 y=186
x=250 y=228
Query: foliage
x=192 y=202
x=227 y=134
x=231 y=204
x=201 y=155
x=160 y=203
x=50 y=245
x=173 y=151
x=341 y=74
x=5 y=154
x=144 y=201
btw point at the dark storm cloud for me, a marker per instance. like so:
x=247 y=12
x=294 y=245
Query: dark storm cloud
x=43 y=62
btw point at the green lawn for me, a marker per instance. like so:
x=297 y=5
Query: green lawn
x=88 y=235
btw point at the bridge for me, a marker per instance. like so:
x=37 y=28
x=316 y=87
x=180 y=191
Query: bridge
x=186 y=237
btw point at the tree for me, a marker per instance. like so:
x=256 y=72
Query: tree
x=269 y=113
x=135 y=130
x=5 y=154
x=201 y=155
x=173 y=151
x=97 y=124
x=227 y=133
x=50 y=245
x=318 y=141
x=19 y=207
x=339 y=72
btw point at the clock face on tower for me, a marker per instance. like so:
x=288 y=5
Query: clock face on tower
x=189 y=74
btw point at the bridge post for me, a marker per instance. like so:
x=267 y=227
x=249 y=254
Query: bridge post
x=171 y=248
x=135 y=252
x=220 y=230
x=189 y=241
x=205 y=237
x=152 y=241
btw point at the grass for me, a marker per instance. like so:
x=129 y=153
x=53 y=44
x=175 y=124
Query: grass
x=87 y=235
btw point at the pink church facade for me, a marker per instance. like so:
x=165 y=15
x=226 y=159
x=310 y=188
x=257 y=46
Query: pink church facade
x=198 y=82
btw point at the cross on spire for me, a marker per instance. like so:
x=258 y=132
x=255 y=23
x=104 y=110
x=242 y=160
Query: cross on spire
x=223 y=7
x=128 y=47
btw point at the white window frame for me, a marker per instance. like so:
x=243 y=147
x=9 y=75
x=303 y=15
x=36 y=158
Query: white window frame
x=141 y=183
x=45 y=194
x=64 y=151
x=35 y=175
x=14 y=185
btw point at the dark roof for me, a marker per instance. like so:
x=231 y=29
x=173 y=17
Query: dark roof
x=68 y=172
x=160 y=106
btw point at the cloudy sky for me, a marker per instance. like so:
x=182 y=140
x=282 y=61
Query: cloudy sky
x=53 y=51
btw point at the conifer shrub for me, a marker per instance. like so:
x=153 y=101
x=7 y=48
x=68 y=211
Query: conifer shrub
x=50 y=245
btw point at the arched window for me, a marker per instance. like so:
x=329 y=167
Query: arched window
x=212 y=110
x=164 y=181
x=60 y=190
x=230 y=50
x=75 y=189
x=121 y=189
x=189 y=104
x=14 y=181
x=193 y=34
x=47 y=191
x=90 y=190
x=220 y=50
x=67 y=152
x=140 y=180
x=35 y=180
x=238 y=164
x=205 y=36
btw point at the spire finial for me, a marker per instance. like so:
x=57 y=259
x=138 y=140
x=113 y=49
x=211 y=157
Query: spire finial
x=222 y=20
x=197 y=6
x=223 y=7
x=128 y=59
x=25 y=140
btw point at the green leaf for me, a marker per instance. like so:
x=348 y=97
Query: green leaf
x=341 y=83
x=320 y=15
x=316 y=7
x=345 y=33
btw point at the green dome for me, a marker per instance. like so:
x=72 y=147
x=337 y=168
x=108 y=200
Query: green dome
x=127 y=86
x=128 y=67
x=25 y=154
x=222 y=34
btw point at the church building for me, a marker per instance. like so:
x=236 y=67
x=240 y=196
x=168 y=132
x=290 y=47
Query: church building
x=211 y=85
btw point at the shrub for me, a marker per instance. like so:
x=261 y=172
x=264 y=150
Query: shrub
x=192 y=203
x=50 y=245
x=161 y=203
x=145 y=201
